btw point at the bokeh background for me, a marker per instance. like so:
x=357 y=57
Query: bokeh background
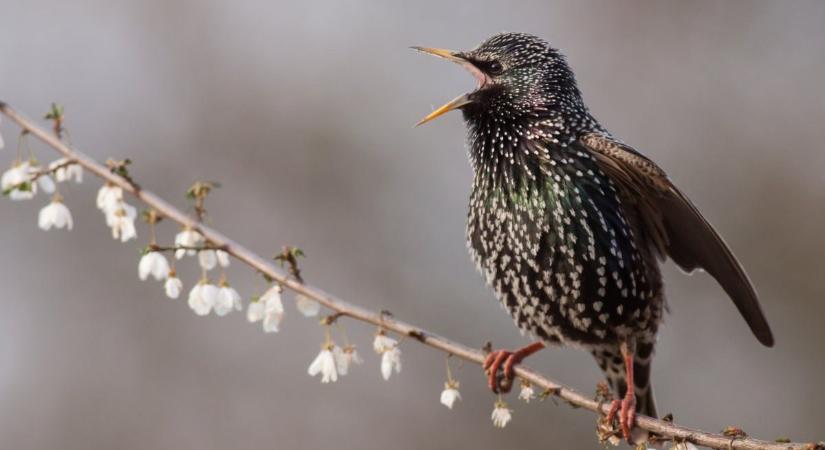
x=305 y=112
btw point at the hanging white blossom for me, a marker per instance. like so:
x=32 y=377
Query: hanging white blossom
x=122 y=221
x=56 y=215
x=383 y=343
x=226 y=300
x=187 y=238
x=450 y=394
x=45 y=181
x=307 y=306
x=390 y=360
x=173 y=285
x=346 y=357
x=324 y=364
x=109 y=198
x=202 y=297
x=154 y=264
x=64 y=170
x=223 y=258
x=501 y=415
x=527 y=392
x=17 y=182
x=207 y=259
x=268 y=309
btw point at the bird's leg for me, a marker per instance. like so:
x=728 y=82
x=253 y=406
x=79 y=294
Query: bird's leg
x=505 y=360
x=627 y=413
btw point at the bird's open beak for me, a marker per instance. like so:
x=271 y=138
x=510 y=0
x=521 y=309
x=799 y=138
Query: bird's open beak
x=456 y=103
x=461 y=100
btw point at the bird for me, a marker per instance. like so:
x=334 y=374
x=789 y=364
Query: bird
x=569 y=225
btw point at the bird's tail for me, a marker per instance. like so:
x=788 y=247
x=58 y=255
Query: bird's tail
x=611 y=361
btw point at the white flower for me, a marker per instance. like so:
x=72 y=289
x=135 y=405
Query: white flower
x=527 y=393
x=155 y=264
x=450 y=394
x=390 y=354
x=207 y=259
x=227 y=300
x=390 y=359
x=223 y=258
x=17 y=182
x=122 y=221
x=683 y=446
x=173 y=285
x=109 y=198
x=307 y=306
x=501 y=415
x=268 y=308
x=56 y=215
x=324 y=364
x=187 y=238
x=202 y=297
x=255 y=311
x=383 y=343
x=44 y=181
x=345 y=357
x=273 y=312
x=67 y=172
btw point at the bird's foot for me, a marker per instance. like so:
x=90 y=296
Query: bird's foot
x=499 y=366
x=626 y=410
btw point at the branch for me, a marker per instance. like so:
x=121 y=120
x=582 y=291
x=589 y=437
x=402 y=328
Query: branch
x=662 y=429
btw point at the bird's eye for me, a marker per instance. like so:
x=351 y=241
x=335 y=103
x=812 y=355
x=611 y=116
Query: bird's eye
x=494 y=68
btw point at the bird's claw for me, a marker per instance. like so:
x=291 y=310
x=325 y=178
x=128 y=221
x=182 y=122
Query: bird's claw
x=503 y=361
x=626 y=410
x=500 y=361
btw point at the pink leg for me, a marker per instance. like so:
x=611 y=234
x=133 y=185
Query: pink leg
x=627 y=414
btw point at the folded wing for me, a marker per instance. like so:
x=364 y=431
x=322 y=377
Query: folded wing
x=676 y=227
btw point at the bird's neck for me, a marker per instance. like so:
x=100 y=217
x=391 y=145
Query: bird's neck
x=508 y=151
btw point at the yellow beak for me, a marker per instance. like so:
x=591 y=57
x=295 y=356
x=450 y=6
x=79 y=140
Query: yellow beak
x=457 y=102
x=441 y=53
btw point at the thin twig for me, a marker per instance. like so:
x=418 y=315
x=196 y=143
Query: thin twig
x=661 y=428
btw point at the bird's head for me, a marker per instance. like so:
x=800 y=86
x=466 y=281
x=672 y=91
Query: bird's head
x=517 y=74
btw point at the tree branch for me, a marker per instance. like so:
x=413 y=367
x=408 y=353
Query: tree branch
x=660 y=428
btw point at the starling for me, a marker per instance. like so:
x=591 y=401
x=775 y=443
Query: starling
x=568 y=224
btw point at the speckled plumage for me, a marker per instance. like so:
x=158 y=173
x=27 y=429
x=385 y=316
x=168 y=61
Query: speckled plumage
x=567 y=224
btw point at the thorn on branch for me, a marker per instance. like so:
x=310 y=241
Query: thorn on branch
x=289 y=255
x=56 y=115
x=120 y=167
x=549 y=393
x=198 y=193
x=734 y=432
x=417 y=335
x=332 y=318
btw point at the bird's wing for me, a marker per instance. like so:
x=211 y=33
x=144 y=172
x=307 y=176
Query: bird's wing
x=675 y=226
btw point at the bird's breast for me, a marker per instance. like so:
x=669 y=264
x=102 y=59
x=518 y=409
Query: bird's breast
x=560 y=254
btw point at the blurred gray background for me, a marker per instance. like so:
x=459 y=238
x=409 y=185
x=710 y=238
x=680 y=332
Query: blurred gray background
x=305 y=113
